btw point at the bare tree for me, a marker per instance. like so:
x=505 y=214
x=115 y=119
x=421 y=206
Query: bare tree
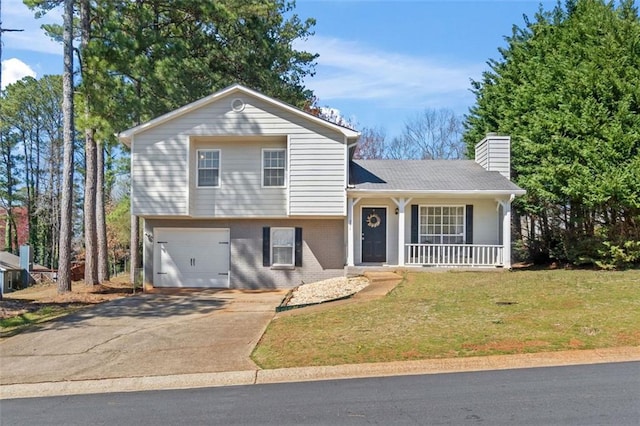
x=371 y=145
x=435 y=134
x=401 y=149
x=66 y=204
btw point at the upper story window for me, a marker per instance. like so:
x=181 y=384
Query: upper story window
x=441 y=225
x=208 y=167
x=274 y=165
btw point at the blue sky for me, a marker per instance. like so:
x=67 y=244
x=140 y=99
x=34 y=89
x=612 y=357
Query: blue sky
x=381 y=62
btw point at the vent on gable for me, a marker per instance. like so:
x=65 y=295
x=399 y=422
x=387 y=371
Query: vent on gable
x=237 y=105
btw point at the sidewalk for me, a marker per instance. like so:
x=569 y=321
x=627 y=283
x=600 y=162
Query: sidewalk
x=258 y=376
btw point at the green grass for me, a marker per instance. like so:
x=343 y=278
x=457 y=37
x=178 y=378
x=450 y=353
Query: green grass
x=458 y=314
x=13 y=325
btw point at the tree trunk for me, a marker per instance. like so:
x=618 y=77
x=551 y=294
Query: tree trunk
x=101 y=224
x=66 y=205
x=90 y=232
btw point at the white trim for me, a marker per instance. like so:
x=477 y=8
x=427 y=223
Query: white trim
x=464 y=221
x=506 y=231
x=386 y=233
x=235 y=107
x=287 y=176
x=286 y=167
x=346 y=173
x=401 y=204
x=127 y=135
x=351 y=202
x=189 y=171
x=132 y=186
x=293 y=246
x=416 y=193
x=198 y=150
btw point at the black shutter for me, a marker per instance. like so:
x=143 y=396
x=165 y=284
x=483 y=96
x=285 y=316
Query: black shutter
x=414 y=224
x=298 y=247
x=266 y=246
x=468 y=238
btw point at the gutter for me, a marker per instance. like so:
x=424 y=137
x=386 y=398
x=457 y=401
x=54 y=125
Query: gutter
x=395 y=192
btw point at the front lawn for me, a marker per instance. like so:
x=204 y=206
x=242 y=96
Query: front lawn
x=457 y=314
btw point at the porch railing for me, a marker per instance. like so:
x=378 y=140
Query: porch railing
x=454 y=255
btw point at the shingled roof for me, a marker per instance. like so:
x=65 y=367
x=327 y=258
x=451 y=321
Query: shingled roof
x=425 y=176
x=11 y=262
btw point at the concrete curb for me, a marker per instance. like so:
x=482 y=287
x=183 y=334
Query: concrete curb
x=303 y=374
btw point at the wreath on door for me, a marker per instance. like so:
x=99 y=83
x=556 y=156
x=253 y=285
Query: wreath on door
x=373 y=220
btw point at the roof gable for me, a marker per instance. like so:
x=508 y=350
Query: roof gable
x=9 y=261
x=127 y=135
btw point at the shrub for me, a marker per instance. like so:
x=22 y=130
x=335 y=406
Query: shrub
x=619 y=257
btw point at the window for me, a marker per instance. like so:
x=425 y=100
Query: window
x=441 y=225
x=273 y=167
x=282 y=246
x=208 y=168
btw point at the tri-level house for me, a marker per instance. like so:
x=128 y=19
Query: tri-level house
x=244 y=191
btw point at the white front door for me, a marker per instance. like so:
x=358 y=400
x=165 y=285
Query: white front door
x=191 y=257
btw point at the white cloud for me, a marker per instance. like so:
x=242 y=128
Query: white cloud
x=13 y=70
x=32 y=38
x=350 y=70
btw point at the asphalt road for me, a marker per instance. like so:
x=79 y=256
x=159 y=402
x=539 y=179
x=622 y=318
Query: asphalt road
x=605 y=394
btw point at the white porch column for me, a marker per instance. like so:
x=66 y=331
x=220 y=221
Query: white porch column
x=506 y=232
x=351 y=202
x=401 y=232
x=401 y=203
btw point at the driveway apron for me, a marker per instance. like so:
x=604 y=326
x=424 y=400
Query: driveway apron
x=145 y=335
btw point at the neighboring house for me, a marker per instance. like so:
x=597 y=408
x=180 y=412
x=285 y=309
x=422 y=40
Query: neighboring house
x=240 y=190
x=18 y=271
x=10 y=272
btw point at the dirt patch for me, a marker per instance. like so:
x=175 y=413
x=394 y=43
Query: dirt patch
x=516 y=346
x=46 y=294
x=631 y=338
x=576 y=343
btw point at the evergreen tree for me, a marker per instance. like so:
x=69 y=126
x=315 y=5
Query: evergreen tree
x=567 y=90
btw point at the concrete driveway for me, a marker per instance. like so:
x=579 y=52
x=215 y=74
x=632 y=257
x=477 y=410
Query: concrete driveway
x=146 y=335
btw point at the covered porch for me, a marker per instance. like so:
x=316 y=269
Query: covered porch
x=451 y=213
x=472 y=230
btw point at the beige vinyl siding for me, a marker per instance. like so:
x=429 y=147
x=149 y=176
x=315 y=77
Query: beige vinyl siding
x=163 y=168
x=158 y=185
x=240 y=193
x=481 y=154
x=499 y=156
x=317 y=175
x=494 y=154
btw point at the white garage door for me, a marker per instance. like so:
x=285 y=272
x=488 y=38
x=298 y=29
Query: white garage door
x=191 y=257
